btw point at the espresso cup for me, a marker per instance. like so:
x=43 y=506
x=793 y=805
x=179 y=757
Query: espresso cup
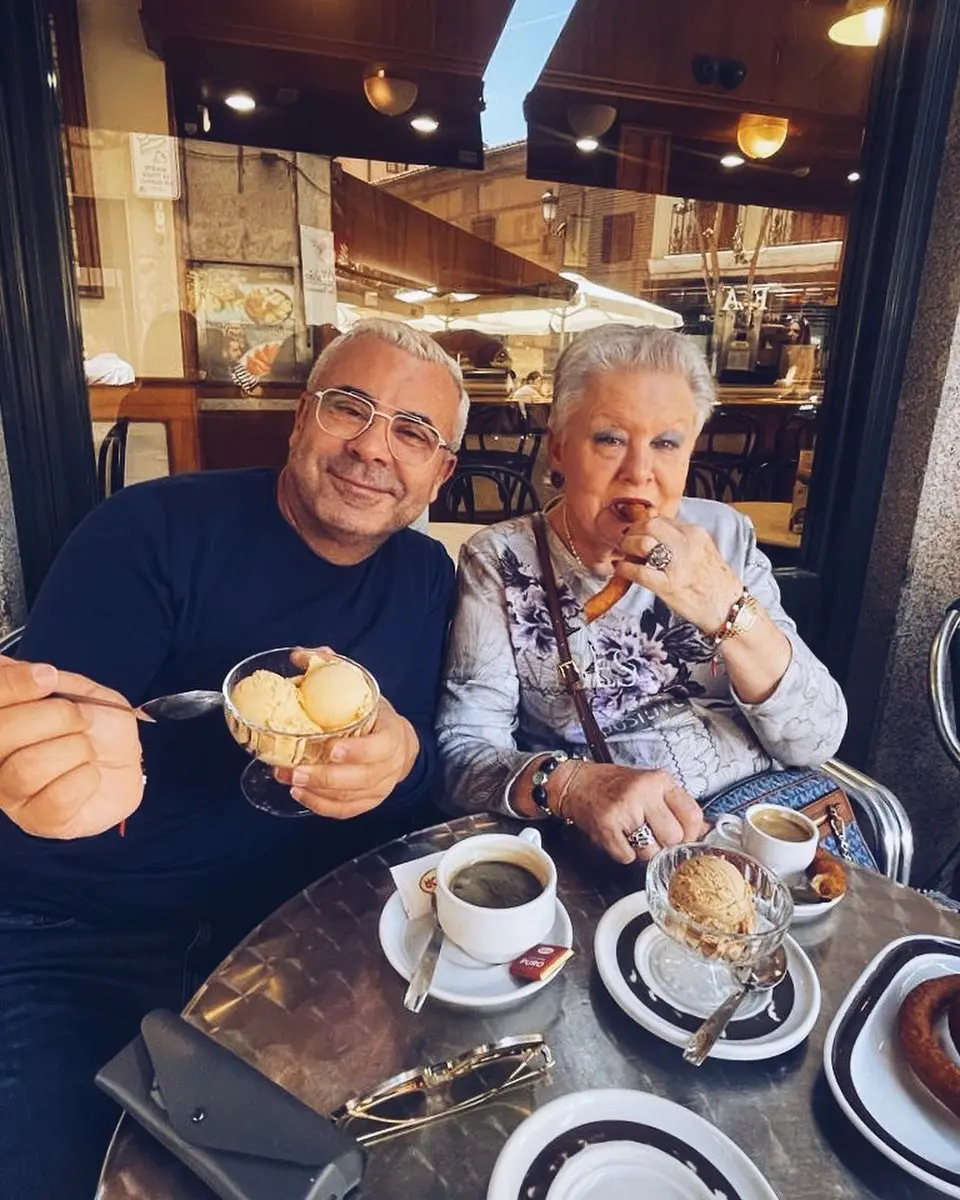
x=497 y=934
x=784 y=841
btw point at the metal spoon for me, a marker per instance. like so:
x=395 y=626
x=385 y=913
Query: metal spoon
x=759 y=978
x=181 y=706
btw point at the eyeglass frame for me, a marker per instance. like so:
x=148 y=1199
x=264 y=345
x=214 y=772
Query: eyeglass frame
x=524 y=1047
x=358 y=394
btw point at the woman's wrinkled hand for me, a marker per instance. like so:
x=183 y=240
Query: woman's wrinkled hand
x=697 y=585
x=362 y=771
x=609 y=802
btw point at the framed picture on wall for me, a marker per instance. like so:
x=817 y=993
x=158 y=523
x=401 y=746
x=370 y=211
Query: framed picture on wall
x=246 y=323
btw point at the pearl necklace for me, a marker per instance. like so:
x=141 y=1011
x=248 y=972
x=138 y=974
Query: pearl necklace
x=570 y=541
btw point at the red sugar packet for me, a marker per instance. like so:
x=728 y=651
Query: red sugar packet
x=540 y=962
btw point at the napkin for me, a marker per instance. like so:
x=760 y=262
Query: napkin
x=416 y=882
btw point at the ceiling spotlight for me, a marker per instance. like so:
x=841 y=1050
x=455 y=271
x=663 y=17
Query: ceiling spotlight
x=587 y=144
x=241 y=102
x=759 y=136
x=853 y=177
x=862 y=25
x=732 y=160
x=425 y=123
x=390 y=96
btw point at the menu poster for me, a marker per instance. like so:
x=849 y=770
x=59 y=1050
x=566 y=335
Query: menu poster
x=318 y=263
x=246 y=324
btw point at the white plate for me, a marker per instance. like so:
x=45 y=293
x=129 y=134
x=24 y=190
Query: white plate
x=869 y=1077
x=615 y=1144
x=803 y=914
x=460 y=981
x=776 y=1022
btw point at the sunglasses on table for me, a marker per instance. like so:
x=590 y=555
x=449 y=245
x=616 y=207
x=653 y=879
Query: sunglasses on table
x=347 y=414
x=425 y=1094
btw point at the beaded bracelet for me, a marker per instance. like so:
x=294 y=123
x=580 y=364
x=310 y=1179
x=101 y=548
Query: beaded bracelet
x=543 y=772
x=740 y=619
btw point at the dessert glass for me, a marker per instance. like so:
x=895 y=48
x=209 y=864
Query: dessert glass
x=693 y=964
x=271 y=748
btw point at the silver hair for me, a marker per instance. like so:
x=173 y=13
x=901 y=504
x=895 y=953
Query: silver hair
x=411 y=341
x=629 y=348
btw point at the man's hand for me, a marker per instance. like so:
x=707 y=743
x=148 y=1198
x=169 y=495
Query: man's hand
x=609 y=802
x=362 y=771
x=66 y=770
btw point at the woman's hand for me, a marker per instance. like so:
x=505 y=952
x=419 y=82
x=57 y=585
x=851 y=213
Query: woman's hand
x=363 y=771
x=609 y=802
x=697 y=584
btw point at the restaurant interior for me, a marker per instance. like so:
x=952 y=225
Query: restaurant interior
x=237 y=197
x=246 y=181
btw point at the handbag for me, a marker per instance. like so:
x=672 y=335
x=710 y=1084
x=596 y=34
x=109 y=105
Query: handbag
x=810 y=792
x=806 y=791
x=241 y=1133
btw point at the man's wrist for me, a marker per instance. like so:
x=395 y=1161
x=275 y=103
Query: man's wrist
x=412 y=747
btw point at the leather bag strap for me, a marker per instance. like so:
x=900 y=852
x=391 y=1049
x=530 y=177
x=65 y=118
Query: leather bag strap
x=569 y=674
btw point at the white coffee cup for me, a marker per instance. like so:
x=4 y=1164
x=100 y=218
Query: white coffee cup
x=757 y=834
x=497 y=935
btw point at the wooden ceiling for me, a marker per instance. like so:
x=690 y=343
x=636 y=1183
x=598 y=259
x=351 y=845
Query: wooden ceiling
x=671 y=130
x=304 y=61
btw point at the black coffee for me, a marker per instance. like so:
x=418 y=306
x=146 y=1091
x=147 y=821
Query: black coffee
x=495 y=884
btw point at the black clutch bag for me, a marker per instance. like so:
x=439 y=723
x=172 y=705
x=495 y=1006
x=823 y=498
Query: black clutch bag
x=241 y=1133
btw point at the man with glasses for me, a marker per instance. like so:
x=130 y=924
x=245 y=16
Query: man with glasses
x=112 y=870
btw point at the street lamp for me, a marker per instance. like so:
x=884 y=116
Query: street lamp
x=550 y=204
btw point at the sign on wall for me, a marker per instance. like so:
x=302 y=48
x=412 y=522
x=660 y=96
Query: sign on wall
x=155 y=164
x=317 y=261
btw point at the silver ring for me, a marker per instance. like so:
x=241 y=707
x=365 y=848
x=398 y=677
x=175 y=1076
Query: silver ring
x=642 y=837
x=660 y=557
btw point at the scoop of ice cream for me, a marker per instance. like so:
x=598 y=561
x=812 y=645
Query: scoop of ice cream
x=711 y=891
x=272 y=702
x=335 y=693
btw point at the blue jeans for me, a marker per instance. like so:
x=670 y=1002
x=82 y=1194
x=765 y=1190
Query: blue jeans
x=71 y=996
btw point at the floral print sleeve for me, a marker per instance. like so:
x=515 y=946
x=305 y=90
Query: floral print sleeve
x=803 y=722
x=648 y=674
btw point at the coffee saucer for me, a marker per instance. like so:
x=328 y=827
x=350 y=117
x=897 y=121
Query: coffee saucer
x=460 y=981
x=803 y=913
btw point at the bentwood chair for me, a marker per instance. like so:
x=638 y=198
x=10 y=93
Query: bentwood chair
x=112 y=459
x=483 y=493
x=11 y=641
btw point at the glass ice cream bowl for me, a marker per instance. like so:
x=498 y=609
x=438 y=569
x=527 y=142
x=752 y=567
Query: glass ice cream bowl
x=694 y=961
x=287 y=746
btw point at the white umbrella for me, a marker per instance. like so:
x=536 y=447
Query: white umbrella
x=592 y=305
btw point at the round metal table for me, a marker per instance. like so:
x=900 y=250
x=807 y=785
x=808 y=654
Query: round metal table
x=309 y=999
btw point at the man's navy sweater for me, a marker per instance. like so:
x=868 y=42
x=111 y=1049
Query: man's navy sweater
x=162 y=589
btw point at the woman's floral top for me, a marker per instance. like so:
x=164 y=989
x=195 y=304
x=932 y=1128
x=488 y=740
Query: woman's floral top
x=655 y=692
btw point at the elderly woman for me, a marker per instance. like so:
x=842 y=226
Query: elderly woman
x=696 y=676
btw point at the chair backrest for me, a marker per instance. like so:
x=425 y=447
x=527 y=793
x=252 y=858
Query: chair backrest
x=710 y=481
x=112 y=459
x=943 y=681
x=729 y=436
x=881 y=817
x=10 y=641
x=508 y=493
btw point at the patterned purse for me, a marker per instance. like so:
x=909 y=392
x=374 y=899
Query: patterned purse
x=810 y=792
